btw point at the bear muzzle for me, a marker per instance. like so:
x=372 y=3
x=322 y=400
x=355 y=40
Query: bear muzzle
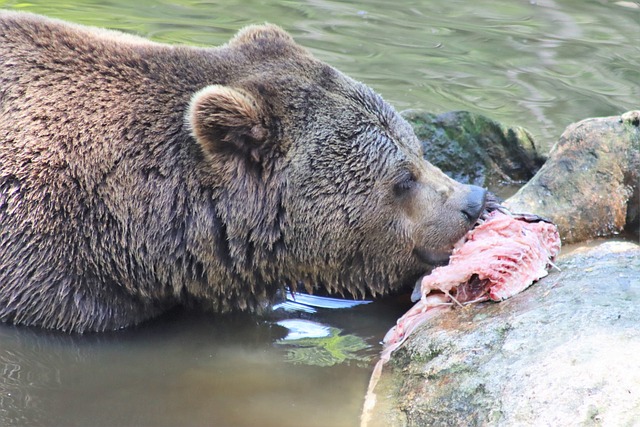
x=475 y=204
x=470 y=208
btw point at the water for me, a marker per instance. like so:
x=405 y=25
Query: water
x=188 y=369
x=539 y=64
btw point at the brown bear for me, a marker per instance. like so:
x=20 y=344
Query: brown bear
x=135 y=176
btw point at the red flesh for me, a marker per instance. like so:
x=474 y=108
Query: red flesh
x=497 y=259
x=507 y=253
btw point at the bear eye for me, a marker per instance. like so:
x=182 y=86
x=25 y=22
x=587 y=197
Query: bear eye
x=406 y=182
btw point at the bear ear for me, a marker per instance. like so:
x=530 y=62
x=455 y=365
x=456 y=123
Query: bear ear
x=257 y=33
x=224 y=119
x=260 y=41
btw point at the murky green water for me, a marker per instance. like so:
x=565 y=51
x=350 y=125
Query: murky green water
x=189 y=369
x=539 y=64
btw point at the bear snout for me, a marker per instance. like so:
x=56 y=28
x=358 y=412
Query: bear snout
x=458 y=213
x=474 y=204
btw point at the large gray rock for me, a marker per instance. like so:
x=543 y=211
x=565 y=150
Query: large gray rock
x=590 y=184
x=564 y=352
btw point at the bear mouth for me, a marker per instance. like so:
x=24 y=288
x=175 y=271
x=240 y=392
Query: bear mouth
x=440 y=257
x=433 y=257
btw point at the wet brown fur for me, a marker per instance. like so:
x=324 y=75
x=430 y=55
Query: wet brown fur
x=135 y=176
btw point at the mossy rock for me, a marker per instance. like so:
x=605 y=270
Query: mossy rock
x=474 y=149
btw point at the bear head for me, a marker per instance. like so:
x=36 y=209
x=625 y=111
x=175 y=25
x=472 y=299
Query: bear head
x=320 y=181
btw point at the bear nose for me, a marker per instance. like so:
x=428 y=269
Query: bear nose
x=474 y=204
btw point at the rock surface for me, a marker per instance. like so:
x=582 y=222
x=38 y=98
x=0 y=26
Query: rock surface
x=563 y=352
x=590 y=184
x=474 y=149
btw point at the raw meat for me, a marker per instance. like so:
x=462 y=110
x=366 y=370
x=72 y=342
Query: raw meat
x=499 y=258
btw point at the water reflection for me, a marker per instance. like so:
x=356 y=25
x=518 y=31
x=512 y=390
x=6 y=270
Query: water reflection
x=30 y=365
x=300 y=328
x=312 y=343
x=195 y=369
